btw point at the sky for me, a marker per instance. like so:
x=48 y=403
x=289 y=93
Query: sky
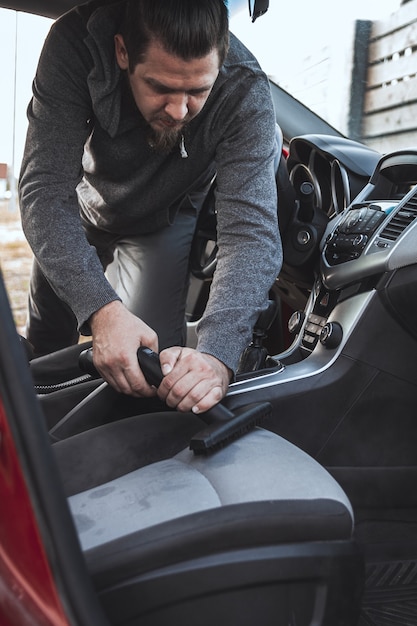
x=302 y=25
x=280 y=39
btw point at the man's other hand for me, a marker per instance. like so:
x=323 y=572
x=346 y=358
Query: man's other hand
x=117 y=334
x=193 y=381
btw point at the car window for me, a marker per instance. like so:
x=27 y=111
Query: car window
x=21 y=39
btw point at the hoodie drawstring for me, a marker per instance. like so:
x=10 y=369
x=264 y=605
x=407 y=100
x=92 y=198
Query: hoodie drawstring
x=183 y=151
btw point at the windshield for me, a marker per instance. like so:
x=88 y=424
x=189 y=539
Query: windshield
x=349 y=62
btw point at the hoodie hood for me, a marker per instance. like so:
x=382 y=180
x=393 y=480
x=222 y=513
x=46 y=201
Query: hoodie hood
x=106 y=75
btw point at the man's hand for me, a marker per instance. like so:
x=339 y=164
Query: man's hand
x=193 y=381
x=117 y=334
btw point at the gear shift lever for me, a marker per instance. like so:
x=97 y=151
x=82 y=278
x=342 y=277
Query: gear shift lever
x=255 y=356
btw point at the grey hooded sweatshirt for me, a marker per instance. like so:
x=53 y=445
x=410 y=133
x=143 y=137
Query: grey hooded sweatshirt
x=87 y=158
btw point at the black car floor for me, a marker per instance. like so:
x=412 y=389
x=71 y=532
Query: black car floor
x=389 y=540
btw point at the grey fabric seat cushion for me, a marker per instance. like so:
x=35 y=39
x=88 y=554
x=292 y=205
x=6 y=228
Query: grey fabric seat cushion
x=258 y=481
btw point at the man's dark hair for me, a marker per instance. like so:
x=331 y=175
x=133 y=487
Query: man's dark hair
x=189 y=29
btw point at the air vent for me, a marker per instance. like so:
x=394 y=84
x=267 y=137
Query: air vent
x=400 y=220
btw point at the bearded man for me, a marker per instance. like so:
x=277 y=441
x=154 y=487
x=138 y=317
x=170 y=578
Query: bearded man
x=136 y=105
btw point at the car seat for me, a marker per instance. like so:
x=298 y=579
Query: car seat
x=255 y=533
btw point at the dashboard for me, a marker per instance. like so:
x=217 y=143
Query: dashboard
x=324 y=174
x=354 y=218
x=337 y=168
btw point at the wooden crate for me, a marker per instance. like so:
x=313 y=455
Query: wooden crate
x=390 y=102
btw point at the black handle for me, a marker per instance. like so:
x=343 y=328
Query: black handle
x=150 y=366
x=86 y=364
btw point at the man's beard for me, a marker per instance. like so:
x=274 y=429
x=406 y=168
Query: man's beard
x=164 y=141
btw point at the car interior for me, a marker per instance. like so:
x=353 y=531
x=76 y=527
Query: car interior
x=308 y=514
x=288 y=519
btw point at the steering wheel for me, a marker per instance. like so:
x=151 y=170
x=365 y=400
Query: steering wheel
x=203 y=255
x=301 y=226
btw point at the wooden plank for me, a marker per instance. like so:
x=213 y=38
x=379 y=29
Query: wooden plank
x=398 y=120
x=398 y=41
x=390 y=95
x=392 y=70
x=404 y=15
x=392 y=142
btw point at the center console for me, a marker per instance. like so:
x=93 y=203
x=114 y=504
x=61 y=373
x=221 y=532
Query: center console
x=374 y=236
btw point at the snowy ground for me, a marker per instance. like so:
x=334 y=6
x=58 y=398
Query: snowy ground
x=15 y=262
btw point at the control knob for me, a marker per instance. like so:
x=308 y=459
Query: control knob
x=331 y=335
x=295 y=322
